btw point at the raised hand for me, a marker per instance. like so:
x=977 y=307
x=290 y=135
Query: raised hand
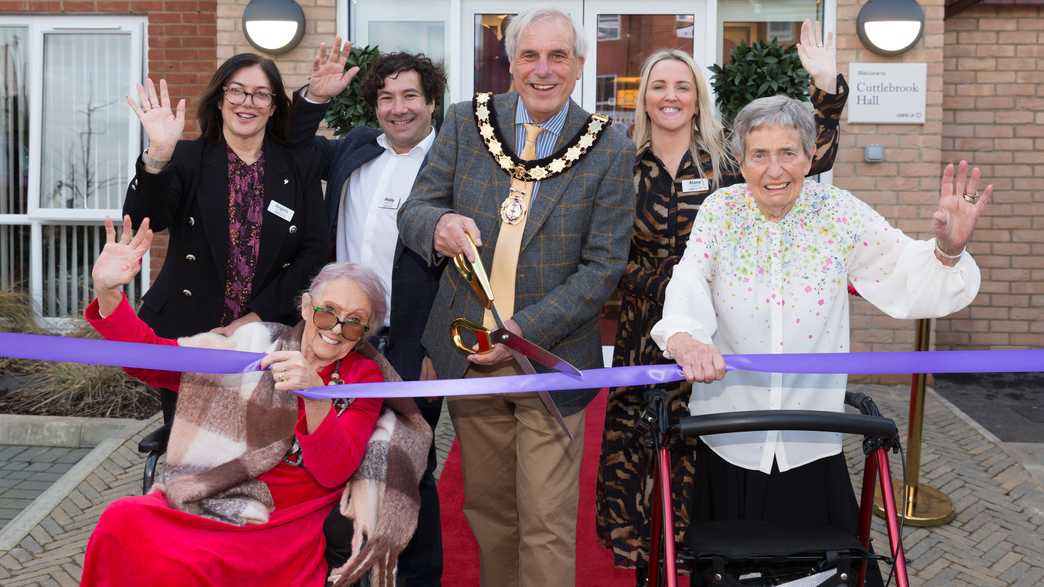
x=328 y=77
x=120 y=260
x=960 y=205
x=818 y=58
x=162 y=124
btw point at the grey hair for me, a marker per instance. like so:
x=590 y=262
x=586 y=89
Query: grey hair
x=528 y=17
x=361 y=276
x=774 y=111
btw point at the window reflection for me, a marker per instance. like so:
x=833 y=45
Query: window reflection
x=85 y=118
x=750 y=21
x=14 y=121
x=427 y=37
x=624 y=42
x=492 y=70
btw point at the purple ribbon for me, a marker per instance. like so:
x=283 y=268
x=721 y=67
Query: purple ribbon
x=133 y=355
x=187 y=359
x=999 y=361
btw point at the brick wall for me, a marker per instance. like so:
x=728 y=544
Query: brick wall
x=994 y=115
x=904 y=188
x=320 y=26
x=181 y=48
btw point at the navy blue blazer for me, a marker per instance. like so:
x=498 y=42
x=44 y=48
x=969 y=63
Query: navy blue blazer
x=414 y=282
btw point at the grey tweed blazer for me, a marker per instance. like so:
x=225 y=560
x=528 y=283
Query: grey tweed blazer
x=574 y=248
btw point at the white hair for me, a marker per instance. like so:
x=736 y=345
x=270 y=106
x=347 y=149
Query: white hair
x=528 y=17
x=774 y=111
x=361 y=276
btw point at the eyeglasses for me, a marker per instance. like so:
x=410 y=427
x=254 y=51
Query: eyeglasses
x=351 y=327
x=237 y=95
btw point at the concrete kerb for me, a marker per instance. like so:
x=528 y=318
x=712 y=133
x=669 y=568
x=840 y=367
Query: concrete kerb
x=17 y=529
x=69 y=432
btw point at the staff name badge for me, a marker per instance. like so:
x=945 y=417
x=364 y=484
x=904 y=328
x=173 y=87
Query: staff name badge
x=389 y=203
x=280 y=210
x=694 y=185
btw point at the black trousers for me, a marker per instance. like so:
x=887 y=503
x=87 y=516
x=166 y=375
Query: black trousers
x=420 y=564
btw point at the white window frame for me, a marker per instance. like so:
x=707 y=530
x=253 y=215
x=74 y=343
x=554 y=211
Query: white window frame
x=38 y=217
x=612 y=77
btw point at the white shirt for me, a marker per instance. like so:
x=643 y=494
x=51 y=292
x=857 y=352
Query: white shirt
x=367 y=230
x=749 y=285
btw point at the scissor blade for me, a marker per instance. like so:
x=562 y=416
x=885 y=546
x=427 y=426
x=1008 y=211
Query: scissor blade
x=536 y=352
x=527 y=367
x=545 y=397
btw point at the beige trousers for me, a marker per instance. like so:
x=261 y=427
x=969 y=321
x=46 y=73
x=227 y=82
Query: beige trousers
x=521 y=486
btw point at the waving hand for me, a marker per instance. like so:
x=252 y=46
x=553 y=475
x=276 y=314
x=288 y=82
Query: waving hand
x=818 y=57
x=328 y=75
x=162 y=124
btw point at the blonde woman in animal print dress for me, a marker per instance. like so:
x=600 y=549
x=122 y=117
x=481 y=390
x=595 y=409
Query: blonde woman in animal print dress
x=681 y=159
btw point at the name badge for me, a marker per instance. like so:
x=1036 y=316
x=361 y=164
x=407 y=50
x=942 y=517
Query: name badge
x=280 y=210
x=689 y=186
x=389 y=203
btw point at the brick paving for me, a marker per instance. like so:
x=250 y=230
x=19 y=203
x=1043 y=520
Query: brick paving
x=27 y=471
x=995 y=540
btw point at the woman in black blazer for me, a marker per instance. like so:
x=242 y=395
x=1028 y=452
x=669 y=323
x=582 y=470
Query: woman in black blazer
x=244 y=213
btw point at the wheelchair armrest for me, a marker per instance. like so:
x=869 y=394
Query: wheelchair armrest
x=155 y=441
x=871 y=426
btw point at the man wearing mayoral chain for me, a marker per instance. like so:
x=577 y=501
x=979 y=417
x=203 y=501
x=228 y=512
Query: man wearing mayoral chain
x=545 y=191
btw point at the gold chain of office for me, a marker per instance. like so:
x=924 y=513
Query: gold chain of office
x=537 y=169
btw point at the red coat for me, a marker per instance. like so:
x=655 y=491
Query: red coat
x=142 y=541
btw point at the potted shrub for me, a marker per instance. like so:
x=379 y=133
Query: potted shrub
x=758 y=70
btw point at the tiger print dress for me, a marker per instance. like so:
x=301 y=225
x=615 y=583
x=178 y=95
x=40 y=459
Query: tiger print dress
x=664 y=214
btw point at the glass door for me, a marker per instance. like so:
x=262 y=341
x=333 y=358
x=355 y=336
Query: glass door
x=621 y=34
x=484 y=61
x=414 y=26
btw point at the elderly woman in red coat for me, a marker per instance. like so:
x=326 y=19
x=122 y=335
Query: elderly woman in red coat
x=252 y=471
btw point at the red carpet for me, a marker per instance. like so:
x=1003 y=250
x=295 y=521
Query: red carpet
x=594 y=564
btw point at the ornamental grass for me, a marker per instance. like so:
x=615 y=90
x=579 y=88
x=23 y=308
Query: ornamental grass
x=64 y=389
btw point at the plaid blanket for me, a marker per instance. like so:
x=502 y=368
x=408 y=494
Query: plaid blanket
x=230 y=429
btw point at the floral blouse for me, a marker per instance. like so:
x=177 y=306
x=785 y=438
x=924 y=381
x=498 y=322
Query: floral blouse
x=665 y=210
x=749 y=285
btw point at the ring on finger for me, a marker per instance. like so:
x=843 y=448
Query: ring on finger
x=971 y=198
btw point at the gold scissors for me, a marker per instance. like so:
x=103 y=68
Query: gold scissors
x=483 y=338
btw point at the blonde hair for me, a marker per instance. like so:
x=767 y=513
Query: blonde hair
x=707 y=132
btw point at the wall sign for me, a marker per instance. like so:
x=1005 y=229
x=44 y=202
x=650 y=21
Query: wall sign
x=887 y=93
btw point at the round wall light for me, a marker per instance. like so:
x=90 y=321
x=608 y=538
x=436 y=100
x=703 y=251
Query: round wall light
x=273 y=26
x=890 y=27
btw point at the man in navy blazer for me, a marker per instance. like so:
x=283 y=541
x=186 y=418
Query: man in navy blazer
x=369 y=173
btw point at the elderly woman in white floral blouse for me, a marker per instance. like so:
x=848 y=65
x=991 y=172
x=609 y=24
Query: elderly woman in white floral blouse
x=766 y=271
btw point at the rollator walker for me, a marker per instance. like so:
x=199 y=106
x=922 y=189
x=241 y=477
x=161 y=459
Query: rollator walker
x=729 y=555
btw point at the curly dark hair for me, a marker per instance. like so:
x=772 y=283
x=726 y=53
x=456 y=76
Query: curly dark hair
x=433 y=78
x=209 y=112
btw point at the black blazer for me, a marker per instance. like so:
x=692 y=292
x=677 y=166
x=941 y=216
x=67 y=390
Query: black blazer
x=189 y=199
x=414 y=282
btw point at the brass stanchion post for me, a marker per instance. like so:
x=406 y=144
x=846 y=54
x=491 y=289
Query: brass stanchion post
x=924 y=504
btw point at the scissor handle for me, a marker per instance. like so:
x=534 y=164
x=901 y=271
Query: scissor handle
x=481 y=334
x=475 y=274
